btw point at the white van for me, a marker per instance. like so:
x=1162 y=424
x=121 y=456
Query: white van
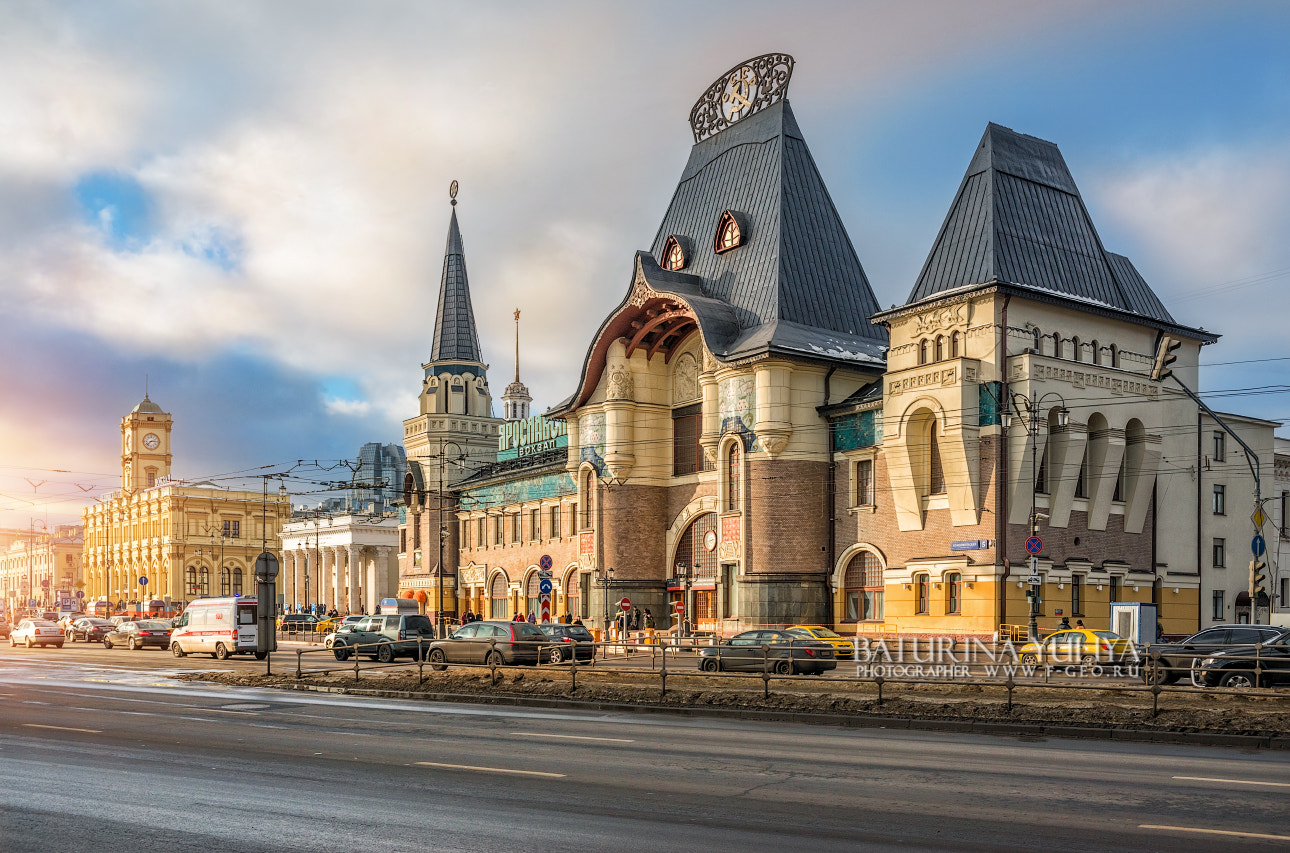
x=217 y=626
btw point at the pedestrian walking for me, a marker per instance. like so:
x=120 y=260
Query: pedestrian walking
x=649 y=620
x=532 y=618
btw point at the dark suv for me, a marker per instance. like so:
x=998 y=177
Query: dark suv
x=568 y=641
x=1176 y=659
x=491 y=644
x=1266 y=664
x=385 y=637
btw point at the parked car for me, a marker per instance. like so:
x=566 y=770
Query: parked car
x=569 y=642
x=36 y=632
x=294 y=623
x=785 y=654
x=139 y=635
x=5 y=629
x=1178 y=659
x=1264 y=664
x=490 y=643
x=65 y=620
x=1078 y=646
x=843 y=647
x=89 y=629
x=344 y=638
x=385 y=637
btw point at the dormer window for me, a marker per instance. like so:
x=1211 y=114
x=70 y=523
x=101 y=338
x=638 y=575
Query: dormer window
x=674 y=254
x=730 y=232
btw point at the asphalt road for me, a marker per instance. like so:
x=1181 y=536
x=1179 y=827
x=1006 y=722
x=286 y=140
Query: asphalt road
x=104 y=753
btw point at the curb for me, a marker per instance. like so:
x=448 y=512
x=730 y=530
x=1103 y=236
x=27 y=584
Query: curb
x=854 y=721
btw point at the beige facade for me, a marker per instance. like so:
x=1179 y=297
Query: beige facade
x=346 y=562
x=37 y=564
x=187 y=540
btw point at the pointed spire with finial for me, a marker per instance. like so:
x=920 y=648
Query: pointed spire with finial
x=515 y=402
x=455 y=335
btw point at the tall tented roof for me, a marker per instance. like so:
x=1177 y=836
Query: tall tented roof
x=796 y=280
x=1019 y=219
x=455 y=336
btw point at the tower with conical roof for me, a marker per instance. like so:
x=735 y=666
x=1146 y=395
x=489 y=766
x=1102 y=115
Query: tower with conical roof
x=456 y=408
x=516 y=400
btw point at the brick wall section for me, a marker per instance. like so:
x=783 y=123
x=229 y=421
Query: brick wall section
x=788 y=521
x=635 y=531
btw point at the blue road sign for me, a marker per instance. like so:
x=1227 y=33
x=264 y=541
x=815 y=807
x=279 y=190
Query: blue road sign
x=143 y=581
x=1257 y=545
x=545 y=563
x=544 y=586
x=1034 y=545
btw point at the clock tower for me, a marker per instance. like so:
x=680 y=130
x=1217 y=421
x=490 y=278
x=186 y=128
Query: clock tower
x=145 y=446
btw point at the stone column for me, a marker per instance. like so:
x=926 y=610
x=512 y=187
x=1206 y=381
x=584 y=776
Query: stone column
x=297 y=570
x=311 y=577
x=352 y=600
x=332 y=582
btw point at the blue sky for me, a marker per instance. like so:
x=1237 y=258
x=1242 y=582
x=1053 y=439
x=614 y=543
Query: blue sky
x=247 y=203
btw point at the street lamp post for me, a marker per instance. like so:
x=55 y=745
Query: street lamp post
x=1027 y=408
x=440 y=625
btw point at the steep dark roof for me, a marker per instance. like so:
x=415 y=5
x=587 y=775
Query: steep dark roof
x=1019 y=219
x=797 y=277
x=455 y=337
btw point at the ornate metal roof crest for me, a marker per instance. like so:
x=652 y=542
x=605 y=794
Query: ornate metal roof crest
x=749 y=87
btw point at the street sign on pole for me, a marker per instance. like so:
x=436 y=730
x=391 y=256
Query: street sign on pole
x=625 y=604
x=544 y=586
x=1034 y=545
x=1034 y=580
x=544 y=606
x=680 y=606
x=1259 y=517
x=143 y=581
x=1257 y=545
x=545 y=563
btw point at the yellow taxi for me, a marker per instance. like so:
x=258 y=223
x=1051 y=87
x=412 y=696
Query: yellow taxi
x=842 y=646
x=1077 y=646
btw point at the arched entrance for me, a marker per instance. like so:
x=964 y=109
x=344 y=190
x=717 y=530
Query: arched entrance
x=695 y=565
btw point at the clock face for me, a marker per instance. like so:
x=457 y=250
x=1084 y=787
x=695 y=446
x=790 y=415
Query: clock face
x=151 y=441
x=710 y=540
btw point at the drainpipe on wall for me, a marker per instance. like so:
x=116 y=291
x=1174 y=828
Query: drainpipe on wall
x=1200 y=495
x=1001 y=460
x=832 y=492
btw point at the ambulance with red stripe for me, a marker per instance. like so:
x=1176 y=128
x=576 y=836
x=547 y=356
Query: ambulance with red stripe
x=219 y=627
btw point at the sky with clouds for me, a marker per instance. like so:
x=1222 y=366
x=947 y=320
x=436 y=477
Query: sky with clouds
x=246 y=202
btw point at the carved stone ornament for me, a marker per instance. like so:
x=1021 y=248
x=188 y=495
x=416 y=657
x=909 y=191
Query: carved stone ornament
x=942 y=318
x=642 y=293
x=772 y=444
x=620 y=385
x=709 y=361
x=749 y=87
x=685 y=379
x=729 y=550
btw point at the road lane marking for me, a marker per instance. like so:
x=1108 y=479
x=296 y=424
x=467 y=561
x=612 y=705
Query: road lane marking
x=575 y=737
x=1232 y=781
x=64 y=728
x=490 y=769
x=1203 y=831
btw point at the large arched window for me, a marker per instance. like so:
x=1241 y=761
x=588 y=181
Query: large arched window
x=572 y=604
x=532 y=594
x=863 y=588
x=696 y=552
x=204 y=587
x=921 y=592
x=237 y=581
x=954 y=593
x=935 y=471
x=190 y=581
x=733 y=468
x=589 y=500
x=497 y=597
x=225 y=581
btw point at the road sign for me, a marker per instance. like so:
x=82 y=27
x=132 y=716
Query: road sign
x=680 y=606
x=143 y=581
x=545 y=562
x=544 y=586
x=1257 y=545
x=970 y=545
x=542 y=575
x=1034 y=545
x=1259 y=517
x=625 y=604
x=544 y=607
x=1034 y=580
x=80 y=593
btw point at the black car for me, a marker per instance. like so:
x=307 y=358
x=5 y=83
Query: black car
x=569 y=642
x=1176 y=659
x=783 y=653
x=139 y=635
x=89 y=630
x=1265 y=664
x=385 y=637
x=491 y=644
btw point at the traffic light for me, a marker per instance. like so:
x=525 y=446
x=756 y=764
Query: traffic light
x=1164 y=358
x=1258 y=578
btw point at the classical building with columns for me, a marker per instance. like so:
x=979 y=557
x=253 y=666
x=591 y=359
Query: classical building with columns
x=343 y=561
x=186 y=540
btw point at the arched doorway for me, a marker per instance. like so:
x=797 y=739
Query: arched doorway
x=695 y=565
x=498 y=597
